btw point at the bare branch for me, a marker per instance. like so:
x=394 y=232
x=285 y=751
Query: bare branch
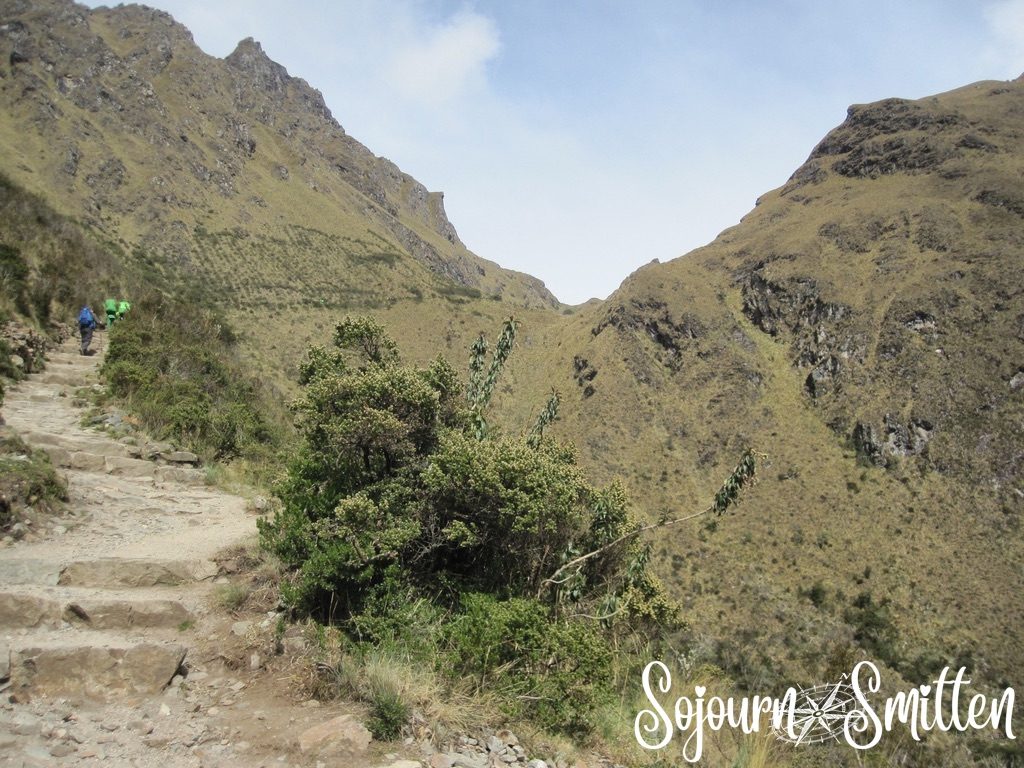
x=726 y=496
x=553 y=578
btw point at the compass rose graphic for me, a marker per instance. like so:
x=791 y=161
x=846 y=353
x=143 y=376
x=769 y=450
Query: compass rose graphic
x=819 y=714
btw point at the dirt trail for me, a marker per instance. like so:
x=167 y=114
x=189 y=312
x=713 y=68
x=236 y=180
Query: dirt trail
x=103 y=612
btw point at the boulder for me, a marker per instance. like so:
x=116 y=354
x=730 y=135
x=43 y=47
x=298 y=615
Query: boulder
x=340 y=737
x=180 y=457
x=88 y=670
x=26 y=611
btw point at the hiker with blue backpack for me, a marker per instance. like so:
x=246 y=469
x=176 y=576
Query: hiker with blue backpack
x=86 y=325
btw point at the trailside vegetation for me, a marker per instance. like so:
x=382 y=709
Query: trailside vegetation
x=404 y=506
x=49 y=266
x=28 y=480
x=172 y=362
x=48 y=269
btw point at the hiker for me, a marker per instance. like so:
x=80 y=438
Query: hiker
x=86 y=324
x=122 y=309
x=110 y=306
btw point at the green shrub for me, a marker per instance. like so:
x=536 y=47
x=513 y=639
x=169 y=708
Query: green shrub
x=556 y=672
x=402 y=494
x=388 y=714
x=816 y=593
x=26 y=478
x=173 y=364
x=873 y=628
x=397 y=475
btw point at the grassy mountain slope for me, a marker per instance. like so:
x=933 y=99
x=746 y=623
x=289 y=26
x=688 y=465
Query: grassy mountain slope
x=863 y=327
x=228 y=176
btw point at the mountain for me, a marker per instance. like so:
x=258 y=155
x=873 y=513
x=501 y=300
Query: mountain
x=862 y=328
x=228 y=176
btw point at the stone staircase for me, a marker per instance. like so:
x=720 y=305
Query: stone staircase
x=102 y=605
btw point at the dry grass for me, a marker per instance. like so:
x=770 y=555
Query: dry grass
x=256 y=577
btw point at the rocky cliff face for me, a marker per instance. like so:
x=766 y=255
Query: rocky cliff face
x=138 y=132
x=921 y=257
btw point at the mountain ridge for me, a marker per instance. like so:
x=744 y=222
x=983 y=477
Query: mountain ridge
x=863 y=327
x=133 y=75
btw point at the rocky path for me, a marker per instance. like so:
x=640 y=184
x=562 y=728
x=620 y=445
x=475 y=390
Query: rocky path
x=99 y=607
x=111 y=650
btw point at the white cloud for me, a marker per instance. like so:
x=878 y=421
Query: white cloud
x=446 y=61
x=1006 y=25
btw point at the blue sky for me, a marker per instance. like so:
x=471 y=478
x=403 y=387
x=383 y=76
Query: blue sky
x=579 y=140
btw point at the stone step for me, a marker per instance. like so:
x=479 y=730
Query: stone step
x=37 y=397
x=29 y=571
x=105 y=572
x=124 y=466
x=73 y=351
x=81 y=441
x=59 y=448
x=182 y=475
x=40 y=438
x=62 y=378
x=96 y=665
x=84 y=369
x=71 y=358
x=131 y=572
x=88 y=609
x=103 y=456
x=124 y=613
x=83 y=460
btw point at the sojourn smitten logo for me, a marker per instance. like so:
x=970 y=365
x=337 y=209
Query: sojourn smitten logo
x=842 y=711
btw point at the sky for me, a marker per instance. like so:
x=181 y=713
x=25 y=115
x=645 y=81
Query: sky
x=579 y=139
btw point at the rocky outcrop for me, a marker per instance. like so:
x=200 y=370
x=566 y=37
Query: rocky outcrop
x=820 y=339
x=888 y=137
x=794 y=306
x=264 y=75
x=654 y=319
x=894 y=439
x=584 y=373
x=1012 y=201
x=895 y=136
